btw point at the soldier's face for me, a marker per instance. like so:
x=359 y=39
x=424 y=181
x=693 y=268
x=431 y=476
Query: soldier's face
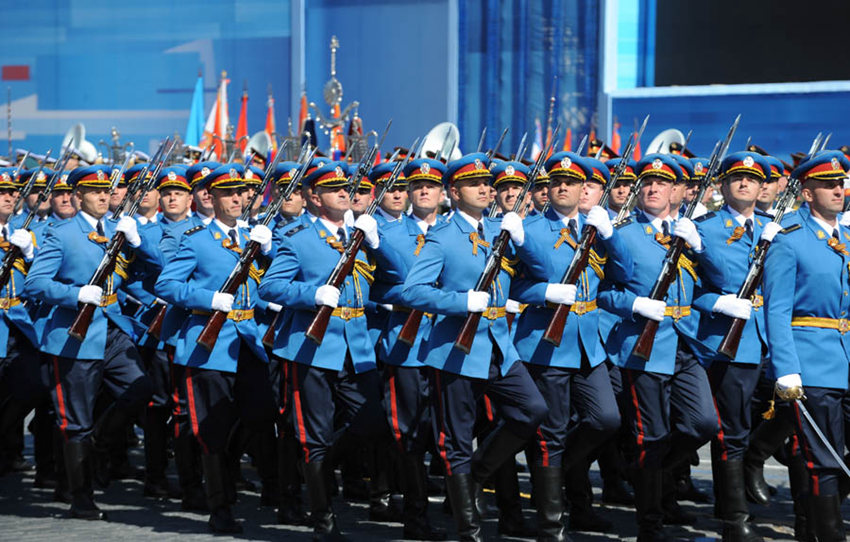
x=203 y=201
x=332 y=202
x=768 y=191
x=620 y=193
x=293 y=206
x=395 y=201
x=425 y=196
x=227 y=202
x=564 y=193
x=826 y=198
x=654 y=196
x=591 y=193
x=62 y=204
x=116 y=197
x=691 y=190
x=540 y=195
x=149 y=202
x=472 y=195
x=362 y=198
x=32 y=199
x=8 y=197
x=249 y=193
x=175 y=203
x=741 y=189
x=94 y=200
x=506 y=195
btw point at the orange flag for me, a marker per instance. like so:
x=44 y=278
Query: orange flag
x=302 y=113
x=270 y=124
x=242 y=125
x=615 y=138
x=568 y=141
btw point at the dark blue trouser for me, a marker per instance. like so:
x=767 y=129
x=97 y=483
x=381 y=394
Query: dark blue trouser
x=830 y=409
x=733 y=386
x=406 y=403
x=454 y=407
x=327 y=403
x=669 y=415
x=158 y=369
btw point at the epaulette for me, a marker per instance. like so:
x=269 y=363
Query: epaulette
x=705 y=217
x=295 y=230
x=790 y=228
x=763 y=213
x=196 y=229
x=626 y=221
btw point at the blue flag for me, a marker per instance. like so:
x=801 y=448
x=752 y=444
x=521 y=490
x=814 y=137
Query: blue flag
x=195 y=128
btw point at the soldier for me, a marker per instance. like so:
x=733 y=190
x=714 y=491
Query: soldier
x=669 y=414
x=592 y=187
x=227 y=388
x=805 y=327
x=333 y=385
x=107 y=356
x=540 y=192
x=620 y=191
x=568 y=377
x=253 y=180
x=734 y=232
x=453 y=257
x=770 y=186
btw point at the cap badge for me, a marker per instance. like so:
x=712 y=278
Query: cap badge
x=172 y=176
x=698 y=167
x=657 y=163
x=100 y=175
x=566 y=163
x=249 y=174
x=478 y=164
x=425 y=168
x=233 y=172
x=835 y=165
x=41 y=176
x=292 y=172
x=509 y=171
x=748 y=161
x=7 y=178
x=205 y=171
x=338 y=171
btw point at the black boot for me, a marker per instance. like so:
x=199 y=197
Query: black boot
x=506 y=486
x=497 y=448
x=156 y=453
x=109 y=445
x=41 y=428
x=735 y=513
x=764 y=442
x=290 y=510
x=580 y=501
x=265 y=452
x=187 y=459
x=378 y=463
x=321 y=512
x=648 y=483
x=62 y=493
x=79 y=468
x=461 y=493
x=416 y=524
x=614 y=487
x=549 y=502
x=798 y=480
x=825 y=515
x=673 y=513
x=215 y=474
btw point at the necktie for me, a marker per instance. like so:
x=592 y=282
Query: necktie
x=340 y=234
x=234 y=240
x=100 y=230
x=748 y=227
x=665 y=228
x=834 y=234
x=481 y=231
x=573 y=226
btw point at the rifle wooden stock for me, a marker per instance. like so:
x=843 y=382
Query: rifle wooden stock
x=209 y=334
x=317 y=328
x=155 y=328
x=268 y=336
x=467 y=332
x=12 y=254
x=555 y=330
x=643 y=346
x=82 y=321
x=729 y=345
x=410 y=329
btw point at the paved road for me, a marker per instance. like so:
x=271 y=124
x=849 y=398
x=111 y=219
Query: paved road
x=27 y=514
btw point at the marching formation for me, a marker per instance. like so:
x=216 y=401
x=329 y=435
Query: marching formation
x=317 y=314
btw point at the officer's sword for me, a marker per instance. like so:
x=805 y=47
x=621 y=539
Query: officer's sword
x=822 y=437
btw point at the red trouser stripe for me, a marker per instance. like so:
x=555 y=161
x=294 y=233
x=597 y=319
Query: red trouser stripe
x=544 y=450
x=441 y=441
x=193 y=413
x=60 y=398
x=807 y=452
x=638 y=419
x=721 y=437
x=488 y=406
x=394 y=409
x=299 y=415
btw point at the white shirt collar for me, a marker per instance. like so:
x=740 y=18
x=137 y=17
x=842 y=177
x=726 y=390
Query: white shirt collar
x=226 y=229
x=472 y=222
x=423 y=225
x=739 y=218
x=333 y=228
x=388 y=216
x=145 y=220
x=204 y=218
x=564 y=218
x=310 y=215
x=828 y=229
x=657 y=221
x=92 y=221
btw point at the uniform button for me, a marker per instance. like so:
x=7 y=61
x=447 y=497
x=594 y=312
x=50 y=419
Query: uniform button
x=845 y=292
x=843 y=313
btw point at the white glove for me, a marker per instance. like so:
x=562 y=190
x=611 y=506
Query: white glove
x=127 y=226
x=561 y=294
x=90 y=294
x=845 y=220
x=348 y=218
x=386 y=306
x=790 y=387
x=262 y=235
x=274 y=307
x=477 y=301
x=686 y=229
x=732 y=305
x=327 y=295
x=512 y=223
x=512 y=306
x=222 y=302
x=369 y=226
x=649 y=308
x=23 y=240
x=772 y=228
x=599 y=219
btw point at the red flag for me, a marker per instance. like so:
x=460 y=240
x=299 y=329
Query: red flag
x=242 y=125
x=218 y=120
x=636 y=153
x=337 y=137
x=568 y=140
x=615 y=138
x=270 y=124
x=592 y=136
x=302 y=113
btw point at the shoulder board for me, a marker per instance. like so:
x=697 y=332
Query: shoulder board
x=196 y=229
x=705 y=217
x=790 y=228
x=764 y=214
x=626 y=221
x=295 y=230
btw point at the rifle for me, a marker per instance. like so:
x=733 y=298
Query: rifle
x=481 y=139
x=490 y=153
x=729 y=345
x=643 y=345
x=579 y=150
x=466 y=336
x=239 y=274
x=316 y=329
x=27 y=190
x=79 y=328
x=142 y=179
x=14 y=252
x=555 y=330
